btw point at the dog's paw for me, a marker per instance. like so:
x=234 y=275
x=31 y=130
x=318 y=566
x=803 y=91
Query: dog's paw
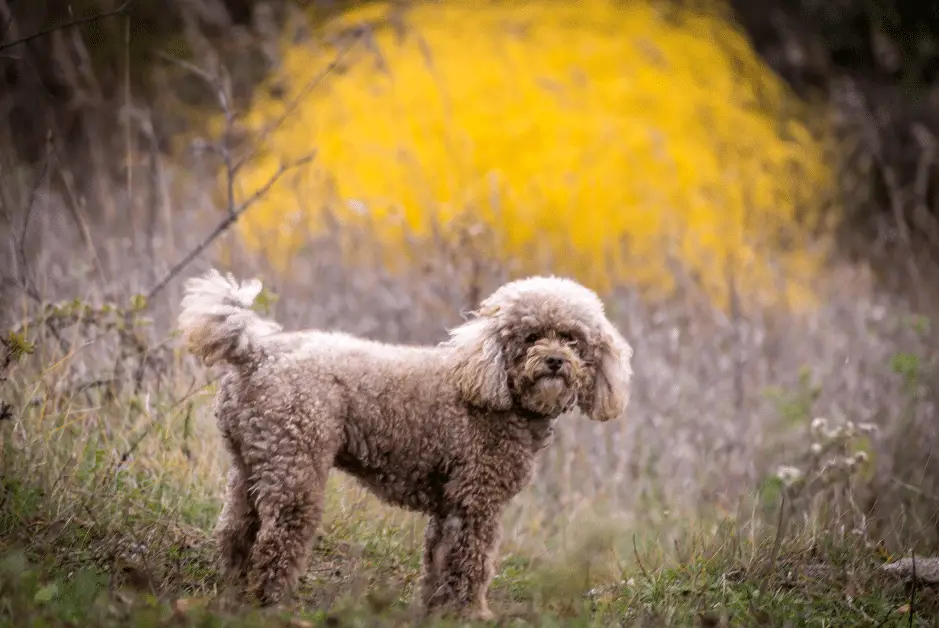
x=479 y=614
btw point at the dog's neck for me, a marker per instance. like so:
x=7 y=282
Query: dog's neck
x=531 y=415
x=534 y=428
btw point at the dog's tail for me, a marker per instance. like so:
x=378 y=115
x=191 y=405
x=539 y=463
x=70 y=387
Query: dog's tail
x=217 y=320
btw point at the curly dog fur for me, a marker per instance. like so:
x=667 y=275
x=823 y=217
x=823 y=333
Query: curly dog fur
x=449 y=430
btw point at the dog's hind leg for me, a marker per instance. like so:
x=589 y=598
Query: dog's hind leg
x=237 y=526
x=290 y=493
x=430 y=569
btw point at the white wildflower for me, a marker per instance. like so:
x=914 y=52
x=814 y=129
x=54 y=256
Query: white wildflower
x=819 y=424
x=833 y=433
x=816 y=448
x=828 y=466
x=867 y=428
x=861 y=457
x=789 y=475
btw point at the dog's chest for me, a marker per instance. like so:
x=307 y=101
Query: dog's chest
x=515 y=472
x=500 y=469
x=488 y=480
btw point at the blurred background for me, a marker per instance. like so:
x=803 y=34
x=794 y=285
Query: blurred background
x=750 y=186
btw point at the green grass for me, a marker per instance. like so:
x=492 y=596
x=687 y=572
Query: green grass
x=794 y=592
x=108 y=498
x=75 y=573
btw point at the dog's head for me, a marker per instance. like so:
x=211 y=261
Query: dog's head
x=543 y=345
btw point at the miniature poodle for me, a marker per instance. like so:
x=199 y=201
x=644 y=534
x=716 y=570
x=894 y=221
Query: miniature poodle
x=450 y=431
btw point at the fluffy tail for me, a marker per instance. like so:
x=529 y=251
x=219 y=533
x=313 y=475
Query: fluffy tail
x=217 y=320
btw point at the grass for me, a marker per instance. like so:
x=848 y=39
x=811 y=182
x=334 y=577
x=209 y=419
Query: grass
x=63 y=576
x=109 y=493
x=111 y=471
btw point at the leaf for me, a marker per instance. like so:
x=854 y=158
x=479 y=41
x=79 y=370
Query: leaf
x=46 y=593
x=19 y=346
x=919 y=323
x=264 y=301
x=904 y=363
x=138 y=302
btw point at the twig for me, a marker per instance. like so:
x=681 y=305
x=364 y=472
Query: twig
x=27 y=284
x=85 y=20
x=780 y=526
x=88 y=511
x=7 y=23
x=924 y=167
x=8 y=281
x=203 y=74
x=153 y=420
x=887 y=615
x=736 y=329
x=222 y=91
x=225 y=98
x=24 y=280
x=98 y=383
x=309 y=87
x=903 y=229
x=639 y=560
x=913 y=587
x=223 y=226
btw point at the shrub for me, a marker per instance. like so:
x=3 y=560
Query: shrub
x=607 y=139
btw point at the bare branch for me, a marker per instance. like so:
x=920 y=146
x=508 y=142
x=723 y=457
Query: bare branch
x=23 y=276
x=7 y=23
x=222 y=88
x=223 y=94
x=356 y=37
x=912 y=587
x=123 y=8
x=205 y=76
x=231 y=219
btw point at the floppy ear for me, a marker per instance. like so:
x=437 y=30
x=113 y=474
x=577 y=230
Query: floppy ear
x=611 y=386
x=480 y=364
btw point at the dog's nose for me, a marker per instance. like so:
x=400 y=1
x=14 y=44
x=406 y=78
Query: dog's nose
x=554 y=362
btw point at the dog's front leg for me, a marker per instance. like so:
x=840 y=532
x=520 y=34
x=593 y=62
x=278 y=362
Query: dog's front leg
x=466 y=553
x=439 y=540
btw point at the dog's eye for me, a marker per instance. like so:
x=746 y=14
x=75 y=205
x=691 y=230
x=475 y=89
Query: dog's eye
x=530 y=338
x=566 y=337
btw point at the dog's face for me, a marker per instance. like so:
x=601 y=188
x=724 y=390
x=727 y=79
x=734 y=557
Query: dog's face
x=546 y=366
x=542 y=346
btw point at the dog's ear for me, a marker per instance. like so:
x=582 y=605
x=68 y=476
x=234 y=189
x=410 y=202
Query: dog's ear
x=480 y=363
x=611 y=386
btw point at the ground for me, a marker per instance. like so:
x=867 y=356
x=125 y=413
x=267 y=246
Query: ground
x=84 y=572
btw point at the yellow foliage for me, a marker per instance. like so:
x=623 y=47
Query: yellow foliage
x=606 y=136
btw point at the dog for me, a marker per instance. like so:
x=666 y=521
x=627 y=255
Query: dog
x=450 y=430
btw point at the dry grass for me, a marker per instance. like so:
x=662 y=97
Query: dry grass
x=112 y=467
x=111 y=472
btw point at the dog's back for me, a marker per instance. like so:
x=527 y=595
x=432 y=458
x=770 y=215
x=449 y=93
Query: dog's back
x=383 y=403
